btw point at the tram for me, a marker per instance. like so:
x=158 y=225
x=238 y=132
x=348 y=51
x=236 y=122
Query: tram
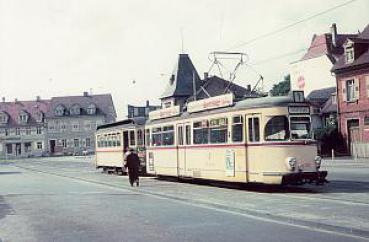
x=259 y=140
x=114 y=139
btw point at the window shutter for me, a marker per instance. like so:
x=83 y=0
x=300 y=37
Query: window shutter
x=357 y=88
x=344 y=94
x=367 y=85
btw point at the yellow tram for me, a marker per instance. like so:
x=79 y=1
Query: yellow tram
x=114 y=139
x=262 y=140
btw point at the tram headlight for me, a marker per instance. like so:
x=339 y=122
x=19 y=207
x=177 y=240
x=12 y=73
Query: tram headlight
x=291 y=161
x=318 y=161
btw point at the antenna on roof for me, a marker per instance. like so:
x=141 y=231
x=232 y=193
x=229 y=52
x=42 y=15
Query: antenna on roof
x=217 y=57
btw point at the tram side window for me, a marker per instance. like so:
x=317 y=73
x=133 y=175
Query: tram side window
x=218 y=131
x=237 y=129
x=254 y=129
x=114 y=140
x=109 y=140
x=276 y=129
x=188 y=134
x=118 y=139
x=147 y=137
x=201 y=132
x=140 y=137
x=156 y=137
x=132 y=141
x=180 y=135
x=168 y=135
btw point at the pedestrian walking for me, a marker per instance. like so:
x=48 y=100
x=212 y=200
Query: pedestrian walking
x=132 y=162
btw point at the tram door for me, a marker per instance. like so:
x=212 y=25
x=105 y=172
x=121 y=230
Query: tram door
x=182 y=141
x=252 y=125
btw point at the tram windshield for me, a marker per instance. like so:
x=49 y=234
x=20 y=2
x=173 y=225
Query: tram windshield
x=277 y=129
x=300 y=128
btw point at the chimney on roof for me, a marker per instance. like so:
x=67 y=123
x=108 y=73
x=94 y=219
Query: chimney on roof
x=334 y=34
x=248 y=87
x=38 y=98
x=85 y=94
x=3 y=99
x=16 y=100
x=147 y=103
x=206 y=76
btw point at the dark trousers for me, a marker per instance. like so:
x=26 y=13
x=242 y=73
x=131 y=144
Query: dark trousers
x=133 y=176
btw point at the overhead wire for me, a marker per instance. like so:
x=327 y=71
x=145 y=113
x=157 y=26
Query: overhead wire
x=262 y=36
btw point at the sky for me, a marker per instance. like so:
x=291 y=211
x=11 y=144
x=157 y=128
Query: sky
x=129 y=47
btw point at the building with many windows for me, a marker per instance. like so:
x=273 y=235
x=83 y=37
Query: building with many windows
x=352 y=75
x=57 y=126
x=22 y=128
x=72 y=121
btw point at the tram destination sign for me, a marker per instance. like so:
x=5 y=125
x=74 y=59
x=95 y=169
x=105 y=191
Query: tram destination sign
x=164 y=113
x=210 y=103
x=299 y=110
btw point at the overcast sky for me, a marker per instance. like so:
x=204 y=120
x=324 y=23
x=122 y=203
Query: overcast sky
x=129 y=47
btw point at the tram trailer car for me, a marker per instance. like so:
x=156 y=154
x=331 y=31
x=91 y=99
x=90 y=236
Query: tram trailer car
x=261 y=140
x=114 y=139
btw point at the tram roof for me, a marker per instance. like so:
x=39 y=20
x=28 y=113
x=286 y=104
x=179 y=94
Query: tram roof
x=123 y=123
x=260 y=102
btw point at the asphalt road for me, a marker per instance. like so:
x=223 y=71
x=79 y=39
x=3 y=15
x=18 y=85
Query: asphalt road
x=66 y=199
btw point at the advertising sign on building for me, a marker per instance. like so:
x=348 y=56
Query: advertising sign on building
x=164 y=113
x=210 y=103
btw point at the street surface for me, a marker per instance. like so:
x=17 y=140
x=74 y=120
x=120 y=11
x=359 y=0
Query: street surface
x=66 y=199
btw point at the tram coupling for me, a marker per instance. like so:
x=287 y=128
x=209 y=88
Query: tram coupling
x=299 y=178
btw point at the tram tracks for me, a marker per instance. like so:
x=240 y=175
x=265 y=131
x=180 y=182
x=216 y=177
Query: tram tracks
x=249 y=212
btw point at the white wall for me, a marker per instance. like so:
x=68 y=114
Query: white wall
x=316 y=73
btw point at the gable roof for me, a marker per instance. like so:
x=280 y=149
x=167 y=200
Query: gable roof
x=320 y=96
x=104 y=105
x=363 y=40
x=13 y=109
x=215 y=86
x=181 y=80
x=322 y=45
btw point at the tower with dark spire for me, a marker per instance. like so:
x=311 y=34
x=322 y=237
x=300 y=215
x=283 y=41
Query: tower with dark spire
x=181 y=83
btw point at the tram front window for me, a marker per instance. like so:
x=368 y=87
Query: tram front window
x=276 y=129
x=300 y=128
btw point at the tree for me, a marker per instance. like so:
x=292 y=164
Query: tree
x=282 y=88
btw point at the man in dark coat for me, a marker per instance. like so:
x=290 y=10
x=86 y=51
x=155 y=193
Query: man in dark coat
x=133 y=164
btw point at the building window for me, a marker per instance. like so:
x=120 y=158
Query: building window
x=76 y=143
x=28 y=131
x=4 y=118
x=75 y=127
x=88 y=142
x=349 y=53
x=350 y=90
x=17 y=131
x=6 y=132
x=27 y=147
x=39 y=130
x=254 y=129
x=91 y=109
x=366 y=121
x=39 y=145
x=64 y=143
x=75 y=110
x=9 y=148
x=23 y=117
x=59 y=110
